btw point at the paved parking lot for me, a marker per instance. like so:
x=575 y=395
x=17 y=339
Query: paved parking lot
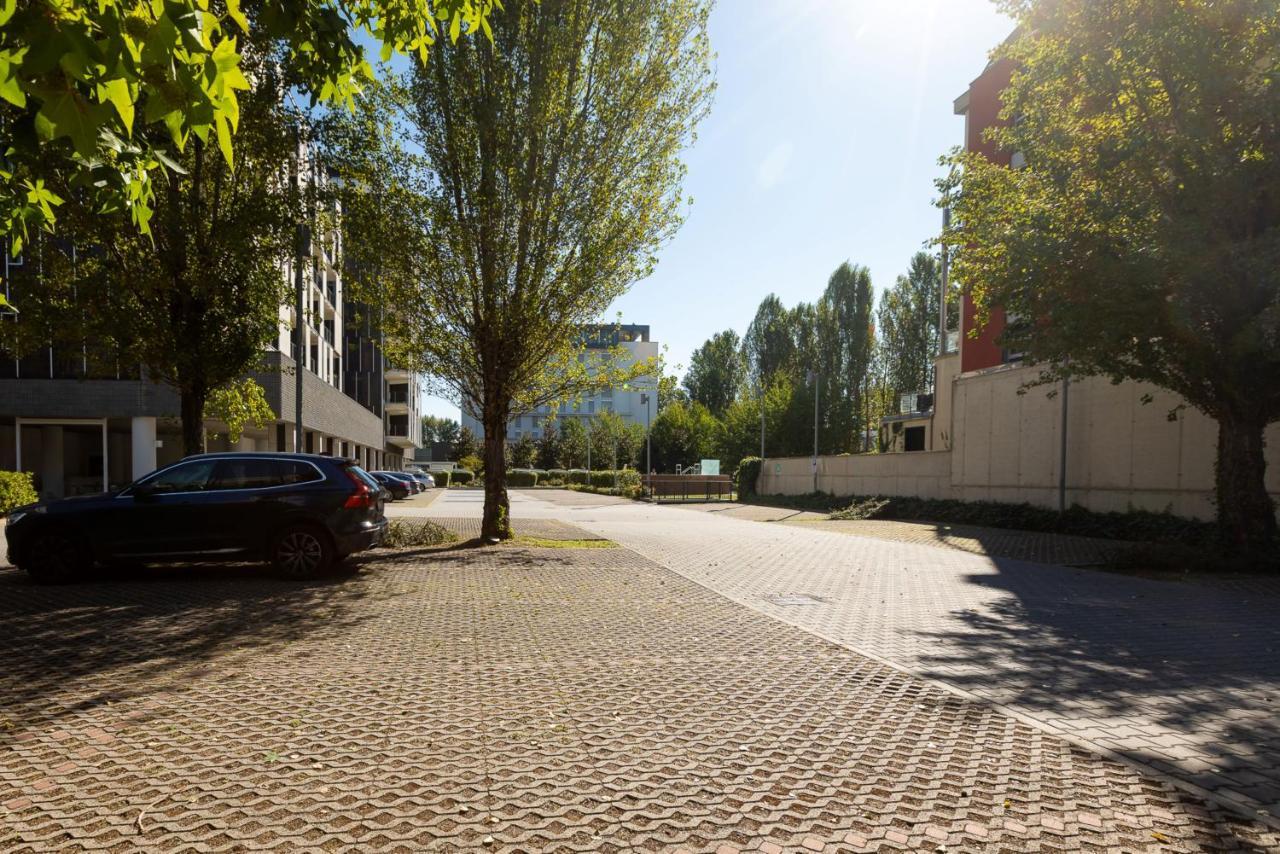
x=590 y=700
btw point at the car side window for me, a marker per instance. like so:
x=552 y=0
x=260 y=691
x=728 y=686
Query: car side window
x=188 y=477
x=260 y=474
x=246 y=474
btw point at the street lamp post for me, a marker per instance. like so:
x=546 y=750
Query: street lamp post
x=813 y=378
x=761 y=390
x=648 y=439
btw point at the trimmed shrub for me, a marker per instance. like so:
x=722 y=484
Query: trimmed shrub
x=629 y=481
x=748 y=476
x=576 y=476
x=441 y=478
x=601 y=479
x=16 y=489
x=522 y=477
x=461 y=477
x=557 y=474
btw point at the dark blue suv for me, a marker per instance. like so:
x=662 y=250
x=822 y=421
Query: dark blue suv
x=300 y=512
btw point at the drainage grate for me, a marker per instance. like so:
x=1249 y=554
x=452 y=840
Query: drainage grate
x=792 y=599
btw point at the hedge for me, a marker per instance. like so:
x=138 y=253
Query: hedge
x=625 y=479
x=522 y=477
x=16 y=489
x=440 y=477
x=461 y=477
x=576 y=476
x=557 y=474
x=748 y=476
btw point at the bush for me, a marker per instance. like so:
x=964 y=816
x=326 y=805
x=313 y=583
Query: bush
x=576 y=476
x=461 y=477
x=16 y=489
x=472 y=464
x=601 y=479
x=748 y=476
x=401 y=533
x=522 y=477
x=557 y=474
x=441 y=478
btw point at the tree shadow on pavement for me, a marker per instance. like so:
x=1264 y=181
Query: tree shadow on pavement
x=129 y=634
x=1154 y=669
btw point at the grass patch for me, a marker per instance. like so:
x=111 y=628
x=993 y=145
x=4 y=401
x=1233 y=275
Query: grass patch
x=545 y=543
x=403 y=534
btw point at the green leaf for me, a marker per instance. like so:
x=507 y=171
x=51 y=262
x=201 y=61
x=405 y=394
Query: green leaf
x=224 y=138
x=71 y=116
x=116 y=92
x=7 y=8
x=233 y=11
x=10 y=90
x=455 y=26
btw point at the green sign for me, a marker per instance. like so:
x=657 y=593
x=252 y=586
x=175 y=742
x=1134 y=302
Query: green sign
x=710 y=467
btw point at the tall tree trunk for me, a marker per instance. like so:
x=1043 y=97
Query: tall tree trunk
x=191 y=404
x=1246 y=514
x=497 y=507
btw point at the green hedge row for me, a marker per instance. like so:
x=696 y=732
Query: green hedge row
x=16 y=489
x=461 y=477
x=747 y=477
x=522 y=477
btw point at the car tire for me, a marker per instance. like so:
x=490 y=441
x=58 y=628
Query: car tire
x=56 y=557
x=300 y=552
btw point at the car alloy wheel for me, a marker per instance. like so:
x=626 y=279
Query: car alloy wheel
x=301 y=553
x=56 y=557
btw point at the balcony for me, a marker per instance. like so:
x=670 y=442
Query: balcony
x=398 y=432
x=396 y=375
x=398 y=399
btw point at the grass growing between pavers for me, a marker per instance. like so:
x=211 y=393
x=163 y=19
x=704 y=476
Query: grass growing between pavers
x=548 y=543
x=402 y=533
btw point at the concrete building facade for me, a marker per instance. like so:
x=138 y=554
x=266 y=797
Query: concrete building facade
x=637 y=403
x=81 y=429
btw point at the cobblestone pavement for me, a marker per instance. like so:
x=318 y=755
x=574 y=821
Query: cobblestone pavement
x=516 y=699
x=1180 y=678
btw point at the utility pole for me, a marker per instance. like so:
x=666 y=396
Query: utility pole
x=762 y=420
x=813 y=378
x=1062 y=451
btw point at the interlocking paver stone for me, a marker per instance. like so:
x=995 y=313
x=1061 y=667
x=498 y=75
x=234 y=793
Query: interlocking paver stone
x=1114 y=661
x=515 y=699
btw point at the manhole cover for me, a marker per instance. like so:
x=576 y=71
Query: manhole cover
x=793 y=599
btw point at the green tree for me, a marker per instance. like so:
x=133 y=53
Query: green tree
x=549 y=448
x=523 y=452
x=669 y=391
x=437 y=428
x=466 y=446
x=769 y=345
x=554 y=176
x=97 y=98
x=684 y=434
x=907 y=321
x=573 y=443
x=1143 y=233
x=847 y=338
x=717 y=372
x=198 y=300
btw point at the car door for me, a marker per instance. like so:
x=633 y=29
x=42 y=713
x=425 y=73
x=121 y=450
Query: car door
x=252 y=499
x=163 y=514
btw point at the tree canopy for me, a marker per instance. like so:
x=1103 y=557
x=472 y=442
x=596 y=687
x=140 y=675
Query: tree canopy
x=98 y=98
x=717 y=372
x=1141 y=240
x=550 y=174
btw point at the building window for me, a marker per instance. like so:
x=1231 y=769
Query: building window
x=913 y=439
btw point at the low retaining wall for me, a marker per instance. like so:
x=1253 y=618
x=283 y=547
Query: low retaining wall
x=926 y=474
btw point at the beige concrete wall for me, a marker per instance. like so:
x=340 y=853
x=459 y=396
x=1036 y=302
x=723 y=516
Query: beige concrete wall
x=940 y=427
x=1121 y=453
x=926 y=474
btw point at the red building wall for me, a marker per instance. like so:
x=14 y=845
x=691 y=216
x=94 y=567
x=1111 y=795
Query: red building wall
x=981 y=350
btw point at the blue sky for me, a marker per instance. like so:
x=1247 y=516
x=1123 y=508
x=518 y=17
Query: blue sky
x=821 y=147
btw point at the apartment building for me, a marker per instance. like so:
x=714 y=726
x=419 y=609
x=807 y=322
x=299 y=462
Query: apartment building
x=81 y=428
x=630 y=403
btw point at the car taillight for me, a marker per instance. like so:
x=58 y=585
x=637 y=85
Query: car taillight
x=362 y=497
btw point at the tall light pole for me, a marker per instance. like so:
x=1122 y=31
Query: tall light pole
x=813 y=378
x=760 y=388
x=648 y=440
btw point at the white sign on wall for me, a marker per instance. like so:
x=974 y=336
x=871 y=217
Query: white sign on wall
x=710 y=467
